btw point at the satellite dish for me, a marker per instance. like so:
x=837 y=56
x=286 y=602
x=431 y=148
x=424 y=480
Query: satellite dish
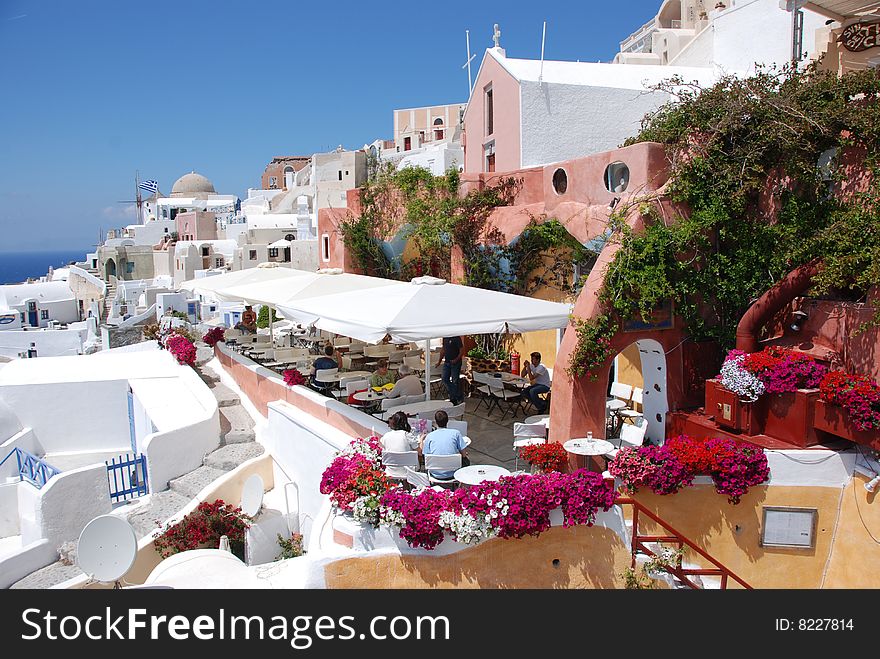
x=252 y=495
x=107 y=548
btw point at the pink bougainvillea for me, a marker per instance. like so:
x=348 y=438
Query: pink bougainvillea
x=182 y=348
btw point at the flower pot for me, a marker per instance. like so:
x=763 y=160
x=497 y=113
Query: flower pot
x=835 y=420
x=789 y=416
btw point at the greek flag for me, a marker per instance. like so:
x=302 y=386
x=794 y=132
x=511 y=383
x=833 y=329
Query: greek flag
x=149 y=186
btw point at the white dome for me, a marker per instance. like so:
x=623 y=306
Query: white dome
x=192 y=184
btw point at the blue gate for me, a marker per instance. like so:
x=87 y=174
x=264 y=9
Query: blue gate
x=127 y=477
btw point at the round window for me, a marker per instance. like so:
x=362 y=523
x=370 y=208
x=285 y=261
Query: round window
x=616 y=177
x=560 y=181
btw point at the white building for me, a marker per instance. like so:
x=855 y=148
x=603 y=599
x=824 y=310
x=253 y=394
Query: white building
x=730 y=36
x=102 y=406
x=37 y=304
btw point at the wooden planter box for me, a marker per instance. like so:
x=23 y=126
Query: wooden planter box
x=836 y=421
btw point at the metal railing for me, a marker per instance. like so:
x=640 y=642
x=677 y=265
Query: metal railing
x=31 y=468
x=640 y=544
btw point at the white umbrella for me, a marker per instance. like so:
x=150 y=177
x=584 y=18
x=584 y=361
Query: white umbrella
x=285 y=292
x=426 y=308
x=209 y=285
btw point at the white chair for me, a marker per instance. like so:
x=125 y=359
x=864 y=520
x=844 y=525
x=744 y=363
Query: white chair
x=456 y=411
x=527 y=434
x=414 y=362
x=419 y=479
x=637 y=397
x=325 y=380
x=346 y=362
x=387 y=405
x=482 y=389
x=414 y=398
x=499 y=394
x=633 y=434
x=441 y=463
x=620 y=397
x=343 y=380
x=399 y=459
x=460 y=426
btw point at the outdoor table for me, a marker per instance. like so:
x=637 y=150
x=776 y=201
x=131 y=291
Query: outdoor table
x=347 y=375
x=412 y=409
x=476 y=474
x=368 y=396
x=586 y=449
x=538 y=418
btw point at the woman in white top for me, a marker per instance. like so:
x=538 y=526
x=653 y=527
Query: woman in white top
x=396 y=440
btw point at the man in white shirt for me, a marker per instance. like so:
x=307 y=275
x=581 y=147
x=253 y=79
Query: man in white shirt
x=408 y=383
x=539 y=379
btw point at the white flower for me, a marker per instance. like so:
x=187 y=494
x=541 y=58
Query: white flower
x=738 y=380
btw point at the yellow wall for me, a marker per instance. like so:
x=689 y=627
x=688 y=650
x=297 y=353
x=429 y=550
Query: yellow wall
x=543 y=341
x=855 y=562
x=731 y=534
x=589 y=557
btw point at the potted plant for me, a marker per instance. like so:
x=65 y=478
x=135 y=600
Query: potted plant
x=545 y=457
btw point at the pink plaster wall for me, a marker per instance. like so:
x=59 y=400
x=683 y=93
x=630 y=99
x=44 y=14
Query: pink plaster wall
x=201 y=225
x=506 y=133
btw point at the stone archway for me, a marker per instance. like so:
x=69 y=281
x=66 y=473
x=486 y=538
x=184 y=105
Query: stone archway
x=109 y=269
x=649 y=375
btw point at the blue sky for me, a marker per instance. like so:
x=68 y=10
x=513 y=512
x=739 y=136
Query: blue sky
x=96 y=89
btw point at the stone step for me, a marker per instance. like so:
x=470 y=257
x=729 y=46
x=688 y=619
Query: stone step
x=162 y=506
x=189 y=485
x=229 y=457
x=204 y=354
x=224 y=395
x=236 y=425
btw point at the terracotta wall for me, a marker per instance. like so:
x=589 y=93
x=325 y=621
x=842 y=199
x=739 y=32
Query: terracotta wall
x=262 y=389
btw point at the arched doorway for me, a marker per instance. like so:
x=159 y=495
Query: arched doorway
x=638 y=381
x=110 y=268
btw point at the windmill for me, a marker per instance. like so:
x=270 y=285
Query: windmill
x=148 y=186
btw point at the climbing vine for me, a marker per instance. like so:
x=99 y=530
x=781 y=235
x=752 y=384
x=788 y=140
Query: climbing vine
x=761 y=173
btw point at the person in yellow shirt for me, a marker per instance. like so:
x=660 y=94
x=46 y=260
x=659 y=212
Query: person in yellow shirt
x=382 y=376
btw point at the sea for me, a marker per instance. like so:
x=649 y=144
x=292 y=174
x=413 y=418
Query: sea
x=16 y=267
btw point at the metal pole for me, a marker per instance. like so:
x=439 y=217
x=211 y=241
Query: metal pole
x=543 y=37
x=427 y=369
x=467 y=37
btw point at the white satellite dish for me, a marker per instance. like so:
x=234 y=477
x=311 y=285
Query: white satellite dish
x=252 y=495
x=107 y=548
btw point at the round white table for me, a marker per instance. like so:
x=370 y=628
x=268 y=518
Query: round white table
x=585 y=446
x=368 y=396
x=476 y=474
x=412 y=409
x=589 y=449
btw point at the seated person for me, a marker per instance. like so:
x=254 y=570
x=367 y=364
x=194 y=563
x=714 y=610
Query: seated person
x=539 y=378
x=444 y=441
x=408 y=383
x=248 y=323
x=382 y=376
x=396 y=440
x=322 y=363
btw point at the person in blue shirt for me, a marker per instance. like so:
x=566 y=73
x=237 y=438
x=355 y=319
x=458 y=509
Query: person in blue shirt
x=322 y=363
x=444 y=441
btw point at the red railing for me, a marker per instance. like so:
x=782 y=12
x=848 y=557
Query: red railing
x=640 y=544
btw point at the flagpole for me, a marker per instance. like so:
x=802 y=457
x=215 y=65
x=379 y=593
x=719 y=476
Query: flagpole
x=137 y=188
